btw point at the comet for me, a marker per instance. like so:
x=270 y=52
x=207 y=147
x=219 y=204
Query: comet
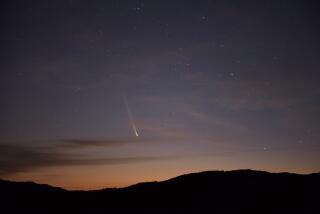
x=134 y=127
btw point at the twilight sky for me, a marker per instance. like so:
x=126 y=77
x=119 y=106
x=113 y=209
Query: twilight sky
x=110 y=93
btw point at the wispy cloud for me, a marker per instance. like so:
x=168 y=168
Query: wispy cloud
x=21 y=157
x=82 y=143
x=214 y=120
x=258 y=94
x=253 y=94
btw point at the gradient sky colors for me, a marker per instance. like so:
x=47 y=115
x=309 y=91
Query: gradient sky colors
x=209 y=84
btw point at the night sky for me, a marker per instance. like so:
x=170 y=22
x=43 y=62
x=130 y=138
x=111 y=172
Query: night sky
x=110 y=93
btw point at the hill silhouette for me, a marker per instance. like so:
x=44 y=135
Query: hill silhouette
x=238 y=191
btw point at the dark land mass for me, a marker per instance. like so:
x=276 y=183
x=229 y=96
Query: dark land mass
x=229 y=192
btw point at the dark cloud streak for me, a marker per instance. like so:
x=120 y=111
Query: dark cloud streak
x=19 y=158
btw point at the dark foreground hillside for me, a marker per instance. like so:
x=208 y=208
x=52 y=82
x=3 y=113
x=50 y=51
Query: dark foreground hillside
x=234 y=192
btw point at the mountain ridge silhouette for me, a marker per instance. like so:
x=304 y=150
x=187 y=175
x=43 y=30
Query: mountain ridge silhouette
x=236 y=191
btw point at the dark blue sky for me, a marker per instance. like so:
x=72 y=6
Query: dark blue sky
x=210 y=85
